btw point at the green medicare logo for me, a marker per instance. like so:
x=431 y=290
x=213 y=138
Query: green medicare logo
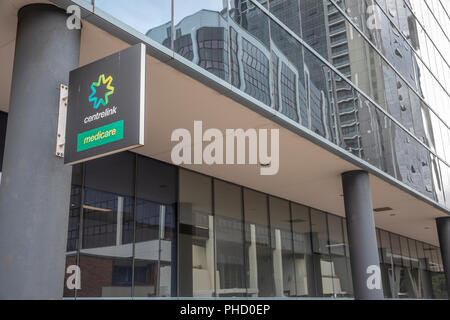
x=103 y=100
x=100 y=136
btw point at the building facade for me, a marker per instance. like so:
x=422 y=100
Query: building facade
x=359 y=87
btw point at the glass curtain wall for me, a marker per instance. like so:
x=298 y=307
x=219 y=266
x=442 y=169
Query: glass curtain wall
x=196 y=251
x=122 y=227
x=258 y=253
x=282 y=247
x=140 y=227
x=155 y=225
x=106 y=241
x=230 y=247
x=379 y=95
x=410 y=269
x=301 y=234
x=407 y=74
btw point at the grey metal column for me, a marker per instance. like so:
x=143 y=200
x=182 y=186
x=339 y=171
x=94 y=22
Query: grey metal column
x=443 y=227
x=35 y=187
x=361 y=233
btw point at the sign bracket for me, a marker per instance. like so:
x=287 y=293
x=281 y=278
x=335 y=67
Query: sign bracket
x=62 y=120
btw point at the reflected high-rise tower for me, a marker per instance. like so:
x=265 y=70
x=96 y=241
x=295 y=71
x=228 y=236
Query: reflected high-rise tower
x=240 y=45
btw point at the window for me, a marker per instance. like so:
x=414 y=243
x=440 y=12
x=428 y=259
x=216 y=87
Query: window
x=260 y=272
x=230 y=263
x=340 y=264
x=196 y=276
x=304 y=272
x=282 y=247
x=107 y=219
x=155 y=237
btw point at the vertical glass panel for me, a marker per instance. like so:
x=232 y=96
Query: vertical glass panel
x=424 y=273
x=427 y=249
x=336 y=242
x=318 y=92
x=250 y=50
x=341 y=280
x=315 y=29
x=439 y=256
x=282 y=253
x=73 y=230
x=260 y=271
x=367 y=140
x=387 y=265
x=201 y=34
x=74 y=210
x=323 y=269
x=388 y=143
x=402 y=110
x=396 y=249
x=106 y=253
x=230 y=264
x=304 y=271
x=196 y=276
x=437 y=178
x=150 y=17
x=155 y=248
x=288 y=74
x=413 y=253
x=380 y=256
x=438 y=277
x=397 y=267
x=288 y=12
x=406 y=258
x=408 y=277
x=420 y=251
x=434 y=261
x=445 y=170
x=415 y=274
x=347 y=254
x=319 y=232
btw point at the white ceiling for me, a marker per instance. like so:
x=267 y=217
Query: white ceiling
x=308 y=173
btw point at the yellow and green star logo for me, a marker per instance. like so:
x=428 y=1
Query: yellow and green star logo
x=104 y=100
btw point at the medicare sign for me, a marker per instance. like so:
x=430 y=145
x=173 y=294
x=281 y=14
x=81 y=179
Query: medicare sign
x=105 y=113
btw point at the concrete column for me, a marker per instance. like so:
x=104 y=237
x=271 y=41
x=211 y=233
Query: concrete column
x=443 y=227
x=35 y=189
x=364 y=260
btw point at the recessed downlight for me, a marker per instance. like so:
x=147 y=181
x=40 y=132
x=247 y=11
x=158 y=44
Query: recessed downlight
x=382 y=209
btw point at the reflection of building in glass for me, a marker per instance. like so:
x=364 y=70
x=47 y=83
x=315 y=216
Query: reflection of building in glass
x=368 y=133
x=204 y=35
x=300 y=86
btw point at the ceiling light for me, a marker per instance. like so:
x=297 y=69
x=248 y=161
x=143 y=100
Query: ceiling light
x=382 y=209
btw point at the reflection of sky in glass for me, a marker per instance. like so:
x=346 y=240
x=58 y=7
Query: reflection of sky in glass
x=143 y=15
x=184 y=8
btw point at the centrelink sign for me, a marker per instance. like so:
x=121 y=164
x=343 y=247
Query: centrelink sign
x=106 y=106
